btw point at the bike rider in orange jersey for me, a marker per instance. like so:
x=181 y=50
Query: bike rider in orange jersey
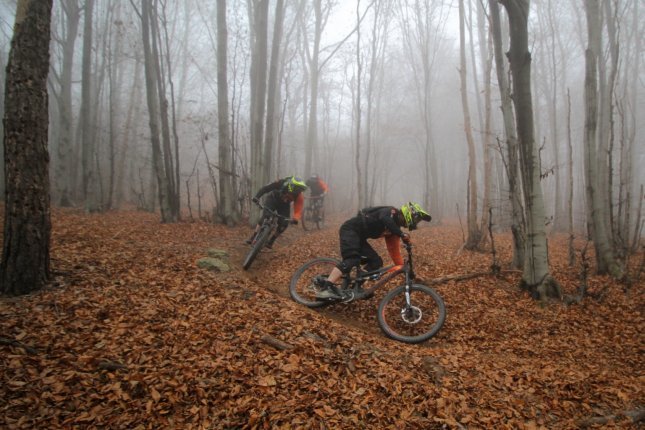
x=372 y=223
x=281 y=194
x=317 y=187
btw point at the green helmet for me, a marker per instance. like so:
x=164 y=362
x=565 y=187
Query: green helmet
x=294 y=185
x=412 y=214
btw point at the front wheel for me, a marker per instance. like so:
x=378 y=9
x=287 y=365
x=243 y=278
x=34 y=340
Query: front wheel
x=413 y=321
x=320 y=217
x=305 y=283
x=304 y=220
x=260 y=240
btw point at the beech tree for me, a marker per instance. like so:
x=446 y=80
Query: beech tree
x=25 y=265
x=258 y=15
x=151 y=66
x=510 y=137
x=64 y=179
x=226 y=208
x=536 y=277
x=474 y=233
x=595 y=148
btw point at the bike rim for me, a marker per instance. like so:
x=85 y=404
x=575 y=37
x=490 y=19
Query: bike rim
x=304 y=285
x=413 y=321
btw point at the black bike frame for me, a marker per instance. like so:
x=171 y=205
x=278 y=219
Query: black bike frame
x=362 y=277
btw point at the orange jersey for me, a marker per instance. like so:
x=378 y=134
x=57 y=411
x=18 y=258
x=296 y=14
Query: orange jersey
x=298 y=205
x=393 y=244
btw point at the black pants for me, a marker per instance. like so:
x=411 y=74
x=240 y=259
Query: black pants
x=279 y=206
x=355 y=249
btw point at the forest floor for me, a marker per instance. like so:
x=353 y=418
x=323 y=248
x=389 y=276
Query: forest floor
x=133 y=335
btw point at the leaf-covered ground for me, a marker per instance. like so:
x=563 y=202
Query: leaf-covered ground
x=132 y=334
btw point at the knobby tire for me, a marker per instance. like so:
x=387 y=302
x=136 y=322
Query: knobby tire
x=428 y=300
x=304 y=221
x=260 y=241
x=320 y=218
x=301 y=287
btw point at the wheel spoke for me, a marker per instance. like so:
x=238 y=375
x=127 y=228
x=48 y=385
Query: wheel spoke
x=305 y=283
x=414 y=322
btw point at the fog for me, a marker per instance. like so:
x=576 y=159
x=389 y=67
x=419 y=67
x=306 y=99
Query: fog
x=411 y=142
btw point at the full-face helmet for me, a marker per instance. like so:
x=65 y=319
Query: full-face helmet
x=294 y=185
x=412 y=214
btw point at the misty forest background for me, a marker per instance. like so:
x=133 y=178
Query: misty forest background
x=374 y=108
x=136 y=131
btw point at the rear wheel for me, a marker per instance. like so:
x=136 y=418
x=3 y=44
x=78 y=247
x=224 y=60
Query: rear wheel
x=305 y=283
x=413 y=322
x=260 y=240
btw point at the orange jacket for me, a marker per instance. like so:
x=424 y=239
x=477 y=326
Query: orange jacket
x=298 y=204
x=393 y=244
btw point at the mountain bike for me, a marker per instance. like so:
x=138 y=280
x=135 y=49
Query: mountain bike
x=410 y=313
x=269 y=225
x=314 y=213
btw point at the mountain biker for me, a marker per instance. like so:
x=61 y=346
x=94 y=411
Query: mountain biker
x=317 y=192
x=317 y=187
x=372 y=223
x=281 y=194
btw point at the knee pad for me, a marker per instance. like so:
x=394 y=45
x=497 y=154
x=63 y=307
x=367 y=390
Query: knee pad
x=346 y=265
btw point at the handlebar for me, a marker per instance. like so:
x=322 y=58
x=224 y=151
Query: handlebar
x=272 y=212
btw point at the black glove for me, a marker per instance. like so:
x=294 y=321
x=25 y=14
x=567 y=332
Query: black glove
x=294 y=221
x=255 y=200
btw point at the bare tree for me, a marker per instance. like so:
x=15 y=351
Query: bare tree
x=89 y=156
x=474 y=233
x=535 y=275
x=64 y=179
x=152 y=95
x=518 y=227
x=594 y=161
x=227 y=212
x=25 y=264
x=273 y=106
x=259 y=32
x=486 y=59
x=166 y=109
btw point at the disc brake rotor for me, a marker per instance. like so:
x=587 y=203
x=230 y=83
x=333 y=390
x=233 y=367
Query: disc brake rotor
x=411 y=315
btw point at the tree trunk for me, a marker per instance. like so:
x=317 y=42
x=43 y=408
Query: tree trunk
x=64 y=177
x=518 y=227
x=167 y=153
x=362 y=198
x=226 y=207
x=25 y=261
x=259 y=18
x=572 y=254
x=486 y=60
x=171 y=118
x=535 y=275
x=90 y=174
x=273 y=103
x=152 y=96
x=605 y=259
x=473 y=229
